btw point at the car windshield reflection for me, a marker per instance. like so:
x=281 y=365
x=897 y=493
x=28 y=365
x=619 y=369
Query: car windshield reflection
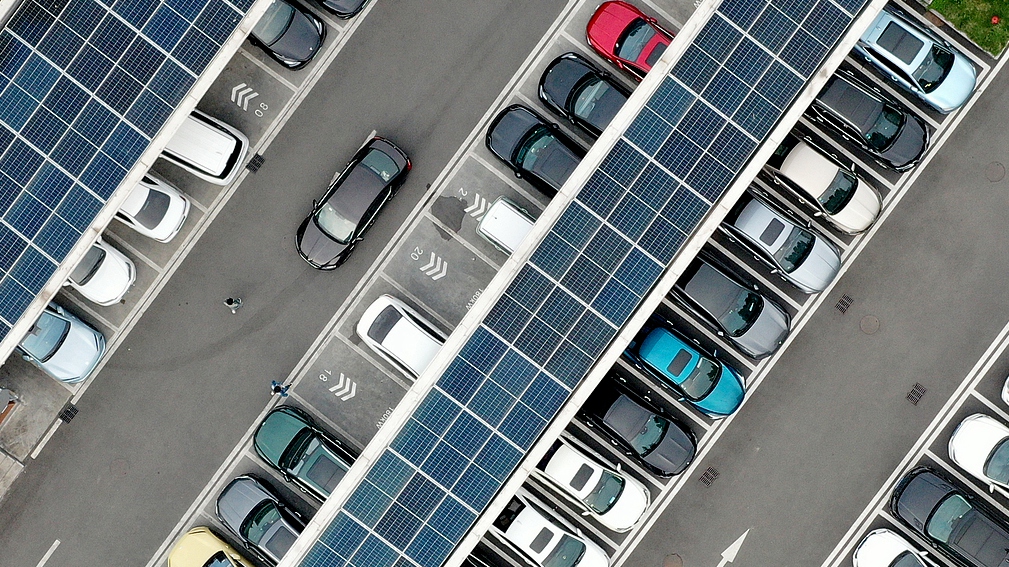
x=274 y=22
x=634 y=39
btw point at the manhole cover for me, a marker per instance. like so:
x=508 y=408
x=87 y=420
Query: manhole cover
x=995 y=171
x=119 y=467
x=869 y=324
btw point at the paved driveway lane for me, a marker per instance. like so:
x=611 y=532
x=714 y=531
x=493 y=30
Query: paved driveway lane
x=191 y=378
x=831 y=422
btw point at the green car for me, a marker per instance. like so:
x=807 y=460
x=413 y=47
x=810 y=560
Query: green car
x=312 y=459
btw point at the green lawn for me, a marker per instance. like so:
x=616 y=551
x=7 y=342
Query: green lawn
x=973 y=18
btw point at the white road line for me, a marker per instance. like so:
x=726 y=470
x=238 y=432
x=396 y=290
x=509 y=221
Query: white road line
x=123 y=245
x=677 y=25
x=446 y=326
x=954 y=471
x=45 y=558
x=458 y=238
x=45 y=439
x=368 y=355
x=991 y=405
x=509 y=180
x=277 y=76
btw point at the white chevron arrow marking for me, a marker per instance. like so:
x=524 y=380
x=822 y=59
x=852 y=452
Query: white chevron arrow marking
x=436 y=268
x=241 y=96
x=479 y=206
x=345 y=388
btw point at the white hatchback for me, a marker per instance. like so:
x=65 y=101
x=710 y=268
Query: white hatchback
x=155 y=209
x=980 y=445
x=104 y=275
x=505 y=225
x=400 y=335
x=884 y=548
x=546 y=541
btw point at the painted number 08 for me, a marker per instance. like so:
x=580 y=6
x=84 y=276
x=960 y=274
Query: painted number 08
x=262 y=107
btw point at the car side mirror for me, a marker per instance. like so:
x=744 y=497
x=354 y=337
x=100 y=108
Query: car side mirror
x=26 y=357
x=774 y=271
x=991 y=488
x=315 y=204
x=518 y=174
x=818 y=214
x=586 y=513
x=721 y=333
x=620 y=467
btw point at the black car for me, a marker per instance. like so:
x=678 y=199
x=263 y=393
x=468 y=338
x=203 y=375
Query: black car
x=344 y=9
x=887 y=131
x=951 y=518
x=646 y=433
x=289 y=33
x=534 y=148
x=339 y=220
x=580 y=92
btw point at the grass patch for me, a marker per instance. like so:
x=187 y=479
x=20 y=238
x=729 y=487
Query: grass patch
x=973 y=18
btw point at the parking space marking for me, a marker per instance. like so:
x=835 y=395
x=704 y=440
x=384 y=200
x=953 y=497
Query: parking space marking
x=456 y=236
x=707 y=332
x=123 y=245
x=991 y=405
x=545 y=491
x=676 y=23
x=953 y=471
x=45 y=558
x=509 y=179
x=445 y=325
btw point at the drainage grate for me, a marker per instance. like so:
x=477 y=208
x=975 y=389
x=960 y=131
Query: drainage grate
x=255 y=163
x=68 y=413
x=709 y=476
x=914 y=396
x=844 y=303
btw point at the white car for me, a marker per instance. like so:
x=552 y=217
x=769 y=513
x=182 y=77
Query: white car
x=400 y=335
x=884 y=548
x=545 y=541
x=62 y=345
x=980 y=445
x=839 y=195
x=505 y=225
x=918 y=60
x=617 y=501
x=154 y=208
x=104 y=275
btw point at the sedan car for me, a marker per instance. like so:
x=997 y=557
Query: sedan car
x=543 y=538
x=155 y=209
x=62 y=345
x=400 y=335
x=201 y=548
x=339 y=220
x=533 y=148
x=833 y=190
x=615 y=500
x=289 y=33
x=805 y=259
x=951 y=518
x=753 y=323
x=884 y=548
x=307 y=456
x=646 y=433
x=626 y=37
x=980 y=445
x=887 y=131
x=257 y=516
x=344 y=9
x=918 y=60
x=578 y=91
x=103 y=275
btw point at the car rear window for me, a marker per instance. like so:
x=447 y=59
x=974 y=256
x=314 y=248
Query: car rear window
x=581 y=477
x=384 y=323
x=679 y=362
x=381 y=165
x=154 y=209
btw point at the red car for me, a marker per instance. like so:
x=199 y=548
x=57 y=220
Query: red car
x=627 y=37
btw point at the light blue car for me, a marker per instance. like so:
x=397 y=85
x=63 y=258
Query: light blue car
x=708 y=384
x=63 y=346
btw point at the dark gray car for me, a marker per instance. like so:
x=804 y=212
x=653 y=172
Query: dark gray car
x=289 y=33
x=534 y=148
x=752 y=322
x=580 y=92
x=882 y=127
x=258 y=517
x=344 y=8
x=952 y=519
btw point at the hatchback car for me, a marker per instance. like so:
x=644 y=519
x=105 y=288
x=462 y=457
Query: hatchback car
x=753 y=323
x=918 y=60
x=833 y=190
x=626 y=37
x=505 y=224
x=155 y=209
x=307 y=456
x=62 y=345
x=543 y=538
x=344 y=9
x=578 y=91
x=533 y=148
x=805 y=259
x=646 y=433
x=400 y=335
x=200 y=547
x=884 y=548
x=257 y=516
x=882 y=127
x=208 y=148
x=702 y=380
x=339 y=220
x=980 y=445
x=103 y=275
x=615 y=500
x=951 y=518
x=289 y=33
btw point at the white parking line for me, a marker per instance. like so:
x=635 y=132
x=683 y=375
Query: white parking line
x=991 y=405
x=45 y=558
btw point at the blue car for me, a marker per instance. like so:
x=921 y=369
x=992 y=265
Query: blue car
x=711 y=386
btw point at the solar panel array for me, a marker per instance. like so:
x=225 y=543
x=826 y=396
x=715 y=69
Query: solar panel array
x=581 y=284
x=84 y=87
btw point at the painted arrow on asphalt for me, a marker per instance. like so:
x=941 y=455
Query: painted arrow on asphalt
x=729 y=555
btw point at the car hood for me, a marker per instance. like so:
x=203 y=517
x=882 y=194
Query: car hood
x=818 y=269
x=275 y=433
x=674 y=452
x=879 y=549
x=238 y=500
x=111 y=282
x=608 y=23
x=725 y=397
x=301 y=40
x=861 y=211
x=315 y=246
x=917 y=495
x=910 y=144
x=956 y=88
x=767 y=332
x=562 y=77
x=77 y=356
x=629 y=507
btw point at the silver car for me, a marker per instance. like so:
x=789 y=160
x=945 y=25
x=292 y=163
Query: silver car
x=797 y=254
x=63 y=346
x=258 y=517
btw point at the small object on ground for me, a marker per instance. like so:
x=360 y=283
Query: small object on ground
x=233 y=303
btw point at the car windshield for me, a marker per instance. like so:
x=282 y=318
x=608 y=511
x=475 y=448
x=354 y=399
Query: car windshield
x=259 y=522
x=154 y=209
x=906 y=559
x=88 y=266
x=651 y=433
x=380 y=164
x=567 y=553
x=633 y=40
x=605 y=494
x=535 y=143
x=946 y=517
x=791 y=255
x=934 y=68
x=997 y=465
x=45 y=338
x=219 y=559
x=702 y=380
x=839 y=193
x=334 y=224
x=588 y=94
x=274 y=22
x=885 y=130
x=743 y=312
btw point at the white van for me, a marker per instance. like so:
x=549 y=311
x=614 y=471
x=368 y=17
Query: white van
x=208 y=148
x=505 y=224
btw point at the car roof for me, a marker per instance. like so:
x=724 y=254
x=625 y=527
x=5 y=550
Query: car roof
x=563 y=75
x=626 y=417
x=661 y=348
x=920 y=493
x=809 y=169
x=533 y=532
x=851 y=102
x=357 y=190
x=571 y=468
x=509 y=128
x=763 y=225
x=504 y=224
x=199 y=142
x=710 y=288
x=900 y=39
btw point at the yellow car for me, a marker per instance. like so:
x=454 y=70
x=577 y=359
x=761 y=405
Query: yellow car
x=201 y=548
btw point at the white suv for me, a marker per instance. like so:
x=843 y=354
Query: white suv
x=400 y=335
x=544 y=540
